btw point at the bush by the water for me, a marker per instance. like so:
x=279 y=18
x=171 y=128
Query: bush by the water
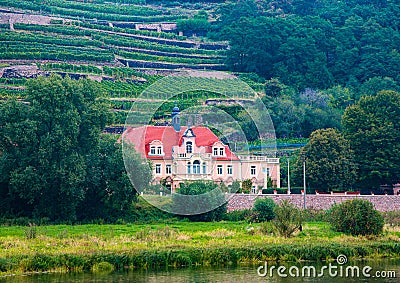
x=288 y=219
x=103 y=267
x=264 y=209
x=356 y=217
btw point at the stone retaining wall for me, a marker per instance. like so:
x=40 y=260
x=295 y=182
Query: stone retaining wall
x=381 y=203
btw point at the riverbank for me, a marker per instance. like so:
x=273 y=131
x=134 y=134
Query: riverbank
x=64 y=248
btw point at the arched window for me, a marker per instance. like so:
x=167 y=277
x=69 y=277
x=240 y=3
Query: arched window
x=196 y=167
x=188 y=167
x=189 y=147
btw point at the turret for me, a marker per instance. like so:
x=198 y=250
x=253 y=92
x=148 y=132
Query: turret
x=176 y=119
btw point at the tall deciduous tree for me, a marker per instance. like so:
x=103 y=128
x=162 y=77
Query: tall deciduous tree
x=108 y=192
x=329 y=161
x=46 y=144
x=373 y=128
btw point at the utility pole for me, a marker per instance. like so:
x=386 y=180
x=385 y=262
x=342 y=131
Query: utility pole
x=288 y=177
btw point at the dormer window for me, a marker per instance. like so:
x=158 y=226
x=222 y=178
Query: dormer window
x=189 y=147
x=156 y=148
x=219 y=151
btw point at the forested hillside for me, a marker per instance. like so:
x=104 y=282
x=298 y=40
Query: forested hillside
x=308 y=59
x=316 y=57
x=316 y=44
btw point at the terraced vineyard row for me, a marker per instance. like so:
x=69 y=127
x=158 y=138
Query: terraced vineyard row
x=230 y=88
x=126 y=38
x=106 y=12
x=93 y=39
x=58 y=42
x=130 y=30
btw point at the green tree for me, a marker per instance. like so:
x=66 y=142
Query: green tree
x=376 y=84
x=340 y=97
x=193 y=25
x=274 y=88
x=109 y=193
x=264 y=209
x=329 y=161
x=288 y=219
x=372 y=127
x=46 y=142
x=356 y=217
x=246 y=186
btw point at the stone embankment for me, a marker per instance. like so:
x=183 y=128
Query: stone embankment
x=381 y=202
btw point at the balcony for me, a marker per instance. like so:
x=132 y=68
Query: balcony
x=187 y=156
x=258 y=158
x=197 y=176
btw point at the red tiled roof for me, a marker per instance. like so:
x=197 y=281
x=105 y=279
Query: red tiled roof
x=141 y=137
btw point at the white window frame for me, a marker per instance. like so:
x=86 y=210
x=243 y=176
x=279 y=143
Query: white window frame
x=168 y=169
x=215 y=151
x=221 y=151
x=189 y=147
x=253 y=170
x=229 y=169
x=153 y=150
x=158 y=169
x=219 y=169
x=196 y=167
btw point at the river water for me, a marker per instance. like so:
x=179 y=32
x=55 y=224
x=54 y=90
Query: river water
x=247 y=274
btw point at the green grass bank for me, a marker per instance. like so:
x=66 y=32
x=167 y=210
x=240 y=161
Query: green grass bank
x=63 y=248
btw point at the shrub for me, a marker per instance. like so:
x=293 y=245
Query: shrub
x=288 y=219
x=246 y=186
x=356 y=217
x=392 y=218
x=235 y=187
x=267 y=228
x=264 y=209
x=31 y=232
x=314 y=215
x=238 y=215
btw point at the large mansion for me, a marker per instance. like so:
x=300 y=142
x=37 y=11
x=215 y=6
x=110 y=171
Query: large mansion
x=181 y=153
